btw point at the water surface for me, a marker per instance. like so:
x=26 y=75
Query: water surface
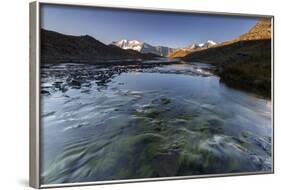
x=128 y=122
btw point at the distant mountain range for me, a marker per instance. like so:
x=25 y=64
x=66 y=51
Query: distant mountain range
x=58 y=48
x=143 y=47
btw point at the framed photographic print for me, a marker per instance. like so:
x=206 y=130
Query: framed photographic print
x=126 y=94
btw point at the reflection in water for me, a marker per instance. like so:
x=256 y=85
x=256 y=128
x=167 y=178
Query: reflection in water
x=139 y=121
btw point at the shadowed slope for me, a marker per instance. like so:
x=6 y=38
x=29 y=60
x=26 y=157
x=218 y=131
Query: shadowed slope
x=57 y=48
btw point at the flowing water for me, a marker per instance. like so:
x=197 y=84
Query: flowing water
x=128 y=122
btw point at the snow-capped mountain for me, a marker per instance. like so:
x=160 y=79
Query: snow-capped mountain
x=181 y=52
x=129 y=44
x=142 y=47
x=207 y=44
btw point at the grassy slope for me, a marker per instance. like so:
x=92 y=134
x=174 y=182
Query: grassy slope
x=243 y=64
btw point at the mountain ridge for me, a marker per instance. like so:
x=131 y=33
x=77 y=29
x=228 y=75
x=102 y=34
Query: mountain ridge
x=245 y=61
x=57 y=48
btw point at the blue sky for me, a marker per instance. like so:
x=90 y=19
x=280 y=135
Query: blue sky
x=156 y=28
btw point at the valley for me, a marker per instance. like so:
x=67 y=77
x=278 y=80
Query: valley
x=129 y=109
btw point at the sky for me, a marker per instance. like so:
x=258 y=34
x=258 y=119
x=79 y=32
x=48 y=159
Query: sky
x=156 y=28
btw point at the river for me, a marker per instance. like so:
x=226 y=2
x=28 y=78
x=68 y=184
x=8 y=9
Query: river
x=129 y=122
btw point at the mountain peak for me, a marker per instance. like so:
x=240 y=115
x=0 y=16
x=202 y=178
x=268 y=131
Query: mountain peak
x=211 y=42
x=142 y=47
x=261 y=30
x=206 y=44
x=124 y=41
x=129 y=44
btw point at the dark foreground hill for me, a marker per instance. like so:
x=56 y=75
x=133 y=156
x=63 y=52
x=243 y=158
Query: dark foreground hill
x=59 y=48
x=244 y=62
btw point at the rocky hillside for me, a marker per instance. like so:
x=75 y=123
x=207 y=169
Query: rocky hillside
x=58 y=48
x=262 y=30
x=244 y=62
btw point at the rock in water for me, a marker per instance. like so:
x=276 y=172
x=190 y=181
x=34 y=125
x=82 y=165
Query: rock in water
x=45 y=92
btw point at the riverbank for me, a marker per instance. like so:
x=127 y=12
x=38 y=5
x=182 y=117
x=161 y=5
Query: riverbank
x=244 y=65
